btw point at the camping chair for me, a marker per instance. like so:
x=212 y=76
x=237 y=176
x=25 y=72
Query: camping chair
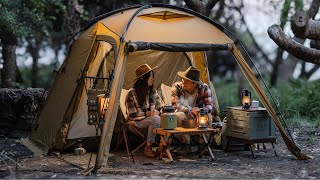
x=166 y=94
x=130 y=126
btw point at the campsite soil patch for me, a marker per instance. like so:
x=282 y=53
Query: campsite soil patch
x=237 y=164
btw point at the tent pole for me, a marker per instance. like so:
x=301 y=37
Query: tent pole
x=116 y=87
x=111 y=113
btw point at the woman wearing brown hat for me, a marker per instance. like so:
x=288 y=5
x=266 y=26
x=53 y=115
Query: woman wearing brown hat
x=143 y=103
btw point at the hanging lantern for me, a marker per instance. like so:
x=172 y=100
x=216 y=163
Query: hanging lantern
x=202 y=118
x=103 y=102
x=246 y=99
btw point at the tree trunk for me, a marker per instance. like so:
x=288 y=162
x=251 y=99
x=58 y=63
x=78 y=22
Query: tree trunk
x=19 y=78
x=315 y=44
x=275 y=68
x=179 y=3
x=303 y=27
x=288 y=66
x=314 y=8
x=73 y=18
x=286 y=69
x=220 y=11
x=34 y=70
x=307 y=74
x=33 y=49
x=8 y=73
x=200 y=6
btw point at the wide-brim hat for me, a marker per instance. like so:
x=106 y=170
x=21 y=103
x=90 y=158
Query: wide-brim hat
x=143 y=69
x=191 y=74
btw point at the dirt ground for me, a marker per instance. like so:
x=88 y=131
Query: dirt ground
x=236 y=164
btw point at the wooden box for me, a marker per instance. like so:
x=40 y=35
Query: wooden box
x=249 y=124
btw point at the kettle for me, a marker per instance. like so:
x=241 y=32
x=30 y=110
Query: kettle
x=167 y=109
x=168 y=118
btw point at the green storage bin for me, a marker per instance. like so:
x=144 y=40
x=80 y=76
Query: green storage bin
x=249 y=124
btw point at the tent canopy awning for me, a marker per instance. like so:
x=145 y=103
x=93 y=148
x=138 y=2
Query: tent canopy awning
x=177 y=47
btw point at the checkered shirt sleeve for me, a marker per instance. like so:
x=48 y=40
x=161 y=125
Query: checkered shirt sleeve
x=134 y=111
x=206 y=96
x=176 y=91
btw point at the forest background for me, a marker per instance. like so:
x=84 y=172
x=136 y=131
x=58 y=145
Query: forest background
x=34 y=36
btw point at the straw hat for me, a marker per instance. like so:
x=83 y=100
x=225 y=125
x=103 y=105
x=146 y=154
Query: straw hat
x=191 y=74
x=143 y=69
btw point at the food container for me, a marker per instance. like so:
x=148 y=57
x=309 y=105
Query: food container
x=255 y=104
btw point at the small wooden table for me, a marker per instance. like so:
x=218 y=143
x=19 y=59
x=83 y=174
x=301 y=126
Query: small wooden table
x=185 y=131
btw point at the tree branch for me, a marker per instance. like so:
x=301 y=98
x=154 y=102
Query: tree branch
x=194 y=4
x=200 y=6
x=314 y=8
x=313 y=70
x=264 y=55
x=220 y=10
x=303 y=27
x=302 y=24
x=292 y=47
x=210 y=4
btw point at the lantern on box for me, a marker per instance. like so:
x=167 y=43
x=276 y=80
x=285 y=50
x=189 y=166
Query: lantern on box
x=246 y=99
x=103 y=102
x=202 y=118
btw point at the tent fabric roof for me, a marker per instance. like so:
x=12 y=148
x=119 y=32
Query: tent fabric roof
x=179 y=28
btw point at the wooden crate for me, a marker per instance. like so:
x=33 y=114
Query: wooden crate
x=249 y=124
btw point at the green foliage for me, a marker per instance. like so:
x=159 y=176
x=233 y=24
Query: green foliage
x=45 y=76
x=299 y=99
x=10 y=20
x=20 y=18
x=298 y=5
x=299 y=102
x=227 y=94
x=285 y=13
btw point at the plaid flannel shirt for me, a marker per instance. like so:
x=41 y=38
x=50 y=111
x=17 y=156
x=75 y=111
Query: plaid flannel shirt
x=204 y=98
x=135 y=111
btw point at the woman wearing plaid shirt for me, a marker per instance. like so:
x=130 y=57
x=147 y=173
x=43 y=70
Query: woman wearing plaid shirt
x=143 y=103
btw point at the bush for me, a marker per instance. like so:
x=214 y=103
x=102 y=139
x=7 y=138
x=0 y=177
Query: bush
x=299 y=101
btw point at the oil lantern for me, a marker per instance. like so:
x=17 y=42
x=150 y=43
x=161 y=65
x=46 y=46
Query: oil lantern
x=202 y=118
x=103 y=102
x=246 y=99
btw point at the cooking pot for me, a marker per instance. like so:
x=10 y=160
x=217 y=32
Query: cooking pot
x=189 y=123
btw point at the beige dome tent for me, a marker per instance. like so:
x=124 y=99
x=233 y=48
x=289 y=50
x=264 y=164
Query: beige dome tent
x=111 y=48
